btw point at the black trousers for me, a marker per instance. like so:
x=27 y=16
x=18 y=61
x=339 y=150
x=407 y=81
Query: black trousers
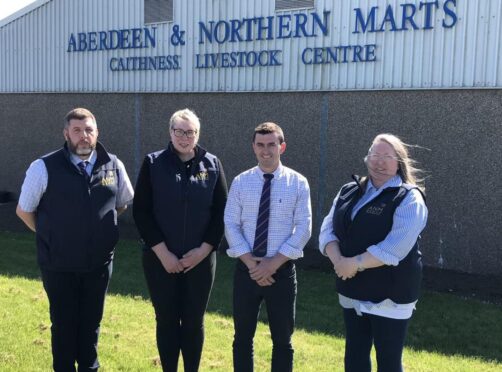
x=180 y=301
x=385 y=333
x=76 y=302
x=280 y=299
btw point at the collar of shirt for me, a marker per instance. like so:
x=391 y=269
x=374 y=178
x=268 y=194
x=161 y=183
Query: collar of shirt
x=276 y=173
x=91 y=159
x=372 y=192
x=393 y=182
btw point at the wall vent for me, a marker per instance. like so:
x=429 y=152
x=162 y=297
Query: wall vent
x=157 y=11
x=293 y=4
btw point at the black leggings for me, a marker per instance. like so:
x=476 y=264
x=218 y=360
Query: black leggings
x=180 y=301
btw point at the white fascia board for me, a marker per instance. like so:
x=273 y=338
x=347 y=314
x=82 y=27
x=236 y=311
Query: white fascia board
x=23 y=11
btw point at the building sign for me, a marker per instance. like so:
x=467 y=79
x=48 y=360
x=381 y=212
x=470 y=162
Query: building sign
x=243 y=46
x=405 y=17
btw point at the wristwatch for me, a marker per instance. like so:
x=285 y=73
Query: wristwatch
x=359 y=260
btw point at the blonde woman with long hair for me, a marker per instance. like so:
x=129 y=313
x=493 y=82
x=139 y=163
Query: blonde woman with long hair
x=371 y=236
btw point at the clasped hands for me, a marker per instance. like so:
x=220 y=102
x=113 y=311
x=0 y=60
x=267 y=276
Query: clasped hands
x=345 y=267
x=192 y=258
x=262 y=271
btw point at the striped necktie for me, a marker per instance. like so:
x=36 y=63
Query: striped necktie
x=261 y=234
x=83 y=165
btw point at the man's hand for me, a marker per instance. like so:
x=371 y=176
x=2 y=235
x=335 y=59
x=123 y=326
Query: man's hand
x=27 y=217
x=248 y=260
x=169 y=261
x=266 y=282
x=121 y=210
x=267 y=266
x=251 y=263
x=265 y=269
x=346 y=267
x=194 y=256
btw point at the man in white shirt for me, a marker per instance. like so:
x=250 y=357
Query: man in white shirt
x=268 y=222
x=71 y=199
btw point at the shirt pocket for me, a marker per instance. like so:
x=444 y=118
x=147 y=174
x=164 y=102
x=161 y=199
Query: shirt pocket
x=282 y=207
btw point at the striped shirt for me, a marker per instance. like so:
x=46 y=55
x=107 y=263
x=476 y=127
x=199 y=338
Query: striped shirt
x=290 y=221
x=35 y=183
x=409 y=220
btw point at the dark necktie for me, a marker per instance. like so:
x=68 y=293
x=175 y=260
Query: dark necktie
x=83 y=165
x=261 y=234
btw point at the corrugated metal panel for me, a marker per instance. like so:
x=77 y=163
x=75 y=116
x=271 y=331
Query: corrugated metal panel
x=34 y=55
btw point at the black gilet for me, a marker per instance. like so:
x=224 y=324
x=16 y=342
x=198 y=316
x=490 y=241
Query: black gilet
x=183 y=200
x=370 y=226
x=76 y=221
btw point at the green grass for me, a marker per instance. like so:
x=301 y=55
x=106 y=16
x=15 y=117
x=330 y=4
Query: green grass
x=447 y=333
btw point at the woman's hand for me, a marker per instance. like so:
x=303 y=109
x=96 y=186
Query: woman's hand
x=339 y=262
x=346 y=267
x=171 y=263
x=194 y=256
x=332 y=250
x=168 y=259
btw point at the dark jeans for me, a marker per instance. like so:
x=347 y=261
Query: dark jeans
x=76 y=302
x=362 y=331
x=180 y=301
x=280 y=299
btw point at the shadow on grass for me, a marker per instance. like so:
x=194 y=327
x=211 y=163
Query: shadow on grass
x=443 y=323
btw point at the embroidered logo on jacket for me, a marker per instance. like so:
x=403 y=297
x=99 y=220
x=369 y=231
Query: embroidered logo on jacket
x=376 y=210
x=109 y=179
x=202 y=176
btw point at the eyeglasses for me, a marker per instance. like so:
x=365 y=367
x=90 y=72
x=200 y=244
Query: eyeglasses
x=375 y=157
x=188 y=133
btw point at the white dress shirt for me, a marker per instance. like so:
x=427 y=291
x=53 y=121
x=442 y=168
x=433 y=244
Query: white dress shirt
x=290 y=221
x=35 y=183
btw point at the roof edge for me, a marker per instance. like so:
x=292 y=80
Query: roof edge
x=23 y=11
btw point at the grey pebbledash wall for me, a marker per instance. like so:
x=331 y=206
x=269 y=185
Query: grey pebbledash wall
x=327 y=135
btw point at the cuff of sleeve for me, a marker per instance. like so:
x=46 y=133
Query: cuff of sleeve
x=213 y=240
x=153 y=241
x=238 y=251
x=124 y=204
x=290 y=252
x=385 y=257
x=26 y=208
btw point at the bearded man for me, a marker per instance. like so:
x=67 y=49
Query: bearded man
x=71 y=199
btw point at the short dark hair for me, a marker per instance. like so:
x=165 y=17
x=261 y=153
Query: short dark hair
x=269 y=127
x=78 y=113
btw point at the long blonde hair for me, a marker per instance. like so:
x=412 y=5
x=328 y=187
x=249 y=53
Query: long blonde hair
x=407 y=169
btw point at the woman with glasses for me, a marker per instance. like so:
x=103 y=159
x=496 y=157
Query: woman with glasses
x=178 y=209
x=371 y=236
